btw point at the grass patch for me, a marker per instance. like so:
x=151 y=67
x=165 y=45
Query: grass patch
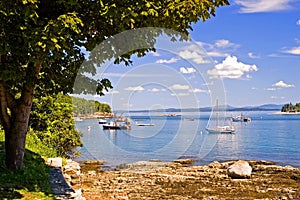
x=32 y=180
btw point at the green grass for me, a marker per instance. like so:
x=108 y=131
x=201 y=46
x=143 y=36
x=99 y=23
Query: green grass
x=32 y=180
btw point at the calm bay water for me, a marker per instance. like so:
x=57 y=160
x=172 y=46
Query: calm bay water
x=266 y=137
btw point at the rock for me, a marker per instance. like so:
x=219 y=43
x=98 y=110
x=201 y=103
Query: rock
x=54 y=162
x=240 y=169
x=215 y=164
x=143 y=166
x=184 y=161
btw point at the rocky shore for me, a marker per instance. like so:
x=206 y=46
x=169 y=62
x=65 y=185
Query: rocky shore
x=180 y=180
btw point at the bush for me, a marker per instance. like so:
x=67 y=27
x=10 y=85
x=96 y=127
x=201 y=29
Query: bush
x=52 y=123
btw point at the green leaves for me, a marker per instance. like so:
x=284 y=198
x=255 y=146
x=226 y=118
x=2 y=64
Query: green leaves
x=52 y=122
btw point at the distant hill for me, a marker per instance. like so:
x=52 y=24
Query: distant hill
x=265 y=107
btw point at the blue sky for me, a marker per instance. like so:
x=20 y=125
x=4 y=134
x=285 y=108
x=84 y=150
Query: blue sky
x=254 y=52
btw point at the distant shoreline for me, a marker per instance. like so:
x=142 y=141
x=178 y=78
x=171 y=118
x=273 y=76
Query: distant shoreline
x=286 y=113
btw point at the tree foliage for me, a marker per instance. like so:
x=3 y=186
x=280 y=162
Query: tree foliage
x=51 y=121
x=82 y=106
x=290 y=107
x=41 y=45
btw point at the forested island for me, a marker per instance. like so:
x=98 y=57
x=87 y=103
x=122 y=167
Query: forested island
x=290 y=108
x=82 y=107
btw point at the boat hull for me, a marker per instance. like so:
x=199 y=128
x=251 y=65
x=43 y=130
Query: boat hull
x=220 y=130
x=108 y=127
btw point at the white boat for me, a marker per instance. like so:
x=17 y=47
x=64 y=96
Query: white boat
x=221 y=129
x=102 y=121
x=217 y=128
x=144 y=124
x=118 y=124
x=241 y=118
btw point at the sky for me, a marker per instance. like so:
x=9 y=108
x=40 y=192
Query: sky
x=247 y=55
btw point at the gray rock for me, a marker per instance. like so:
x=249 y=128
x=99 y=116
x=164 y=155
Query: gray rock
x=54 y=162
x=240 y=169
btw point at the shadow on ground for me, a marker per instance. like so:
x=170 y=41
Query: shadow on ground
x=31 y=181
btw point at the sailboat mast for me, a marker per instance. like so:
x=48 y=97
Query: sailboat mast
x=217 y=113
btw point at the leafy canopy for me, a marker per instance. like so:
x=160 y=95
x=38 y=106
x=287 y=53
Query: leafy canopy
x=52 y=33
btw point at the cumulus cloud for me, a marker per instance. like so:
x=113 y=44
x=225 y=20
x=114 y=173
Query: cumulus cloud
x=231 y=68
x=137 y=88
x=298 y=22
x=188 y=70
x=172 y=60
x=195 y=56
x=282 y=84
x=179 y=87
x=256 y=6
x=294 y=51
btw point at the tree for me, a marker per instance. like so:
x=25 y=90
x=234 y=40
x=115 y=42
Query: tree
x=52 y=122
x=41 y=42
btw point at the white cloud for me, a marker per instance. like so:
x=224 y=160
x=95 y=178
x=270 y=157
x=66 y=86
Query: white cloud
x=222 y=43
x=188 y=70
x=255 y=6
x=275 y=97
x=282 y=84
x=197 y=90
x=220 y=48
x=113 y=92
x=217 y=54
x=180 y=94
x=137 y=88
x=172 y=60
x=195 y=56
x=179 y=87
x=294 y=51
x=156 y=90
x=155 y=54
x=298 y=22
x=231 y=68
x=208 y=84
x=251 y=55
x=271 y=89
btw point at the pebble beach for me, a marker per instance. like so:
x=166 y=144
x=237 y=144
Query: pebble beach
x=180 y=179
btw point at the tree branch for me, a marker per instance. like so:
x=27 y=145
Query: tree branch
x=32 y=73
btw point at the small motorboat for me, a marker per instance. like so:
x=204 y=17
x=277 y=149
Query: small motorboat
x=102 y=121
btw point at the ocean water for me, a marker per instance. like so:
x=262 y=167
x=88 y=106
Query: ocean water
x=267 y=137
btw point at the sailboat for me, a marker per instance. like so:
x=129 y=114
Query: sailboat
x=220 y=129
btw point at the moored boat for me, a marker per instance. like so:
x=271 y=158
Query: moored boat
x=118 y=124
x=240 y=118
x=220 y=129
x=102 y=121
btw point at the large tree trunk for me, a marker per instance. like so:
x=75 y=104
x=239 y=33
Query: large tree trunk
x=15 y=117
x=15 y=137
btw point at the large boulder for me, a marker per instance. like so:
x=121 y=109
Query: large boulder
x=240 y=169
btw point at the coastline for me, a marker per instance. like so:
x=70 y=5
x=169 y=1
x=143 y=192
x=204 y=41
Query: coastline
x=286 y=113
x=179 y=179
